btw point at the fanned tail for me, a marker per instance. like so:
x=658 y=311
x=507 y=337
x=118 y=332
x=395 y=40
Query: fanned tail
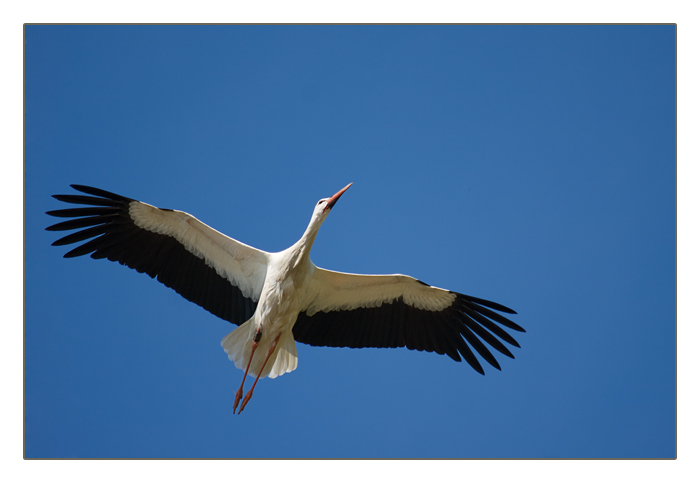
x=238 y=345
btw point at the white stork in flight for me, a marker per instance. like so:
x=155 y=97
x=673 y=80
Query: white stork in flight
x=277 y=299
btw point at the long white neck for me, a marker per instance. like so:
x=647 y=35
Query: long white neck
x=302 y=248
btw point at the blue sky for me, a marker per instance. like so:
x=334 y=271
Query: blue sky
x=529 y=165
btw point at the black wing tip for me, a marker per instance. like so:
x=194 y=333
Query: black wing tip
x=483 y=306
x=485 y=303
x=71 y=255
x=83 y=188
x=97 y=192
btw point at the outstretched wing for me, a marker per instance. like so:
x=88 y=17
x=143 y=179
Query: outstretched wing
x=216 y=272
x=348 y=310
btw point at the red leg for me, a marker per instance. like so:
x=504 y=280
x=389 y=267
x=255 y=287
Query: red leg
x=250 y=393
x=239 y=393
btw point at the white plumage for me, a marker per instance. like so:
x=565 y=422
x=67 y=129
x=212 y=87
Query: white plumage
x=279 y=298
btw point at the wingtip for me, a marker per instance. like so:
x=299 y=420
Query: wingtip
x=475 y=365
x=82 y=188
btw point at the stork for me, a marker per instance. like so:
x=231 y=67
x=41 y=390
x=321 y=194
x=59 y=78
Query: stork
x=277 y=299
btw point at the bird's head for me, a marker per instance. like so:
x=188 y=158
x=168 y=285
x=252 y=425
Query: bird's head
x=323 y=207
x=321 y=211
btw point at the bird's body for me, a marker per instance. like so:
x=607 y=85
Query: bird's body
x=279 y=298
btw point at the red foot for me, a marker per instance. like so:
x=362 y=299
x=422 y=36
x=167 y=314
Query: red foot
x=245 y=400
x=239 y=395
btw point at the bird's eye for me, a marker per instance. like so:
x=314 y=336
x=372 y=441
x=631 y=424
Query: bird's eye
x=320 y=201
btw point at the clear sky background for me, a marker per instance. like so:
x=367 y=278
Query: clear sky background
x=529 y=165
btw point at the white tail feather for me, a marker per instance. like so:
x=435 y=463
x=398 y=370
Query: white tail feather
x=238 y=345
x=286 y=358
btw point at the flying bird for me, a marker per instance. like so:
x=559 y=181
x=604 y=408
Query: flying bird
x=278 y=299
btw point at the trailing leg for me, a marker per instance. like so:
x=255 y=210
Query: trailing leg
x=239 y=393
x=250 y=393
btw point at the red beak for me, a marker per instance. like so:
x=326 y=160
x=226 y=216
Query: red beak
x=335 y=197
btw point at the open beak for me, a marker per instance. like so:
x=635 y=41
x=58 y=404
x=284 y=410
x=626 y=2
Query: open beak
x=335 y=197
